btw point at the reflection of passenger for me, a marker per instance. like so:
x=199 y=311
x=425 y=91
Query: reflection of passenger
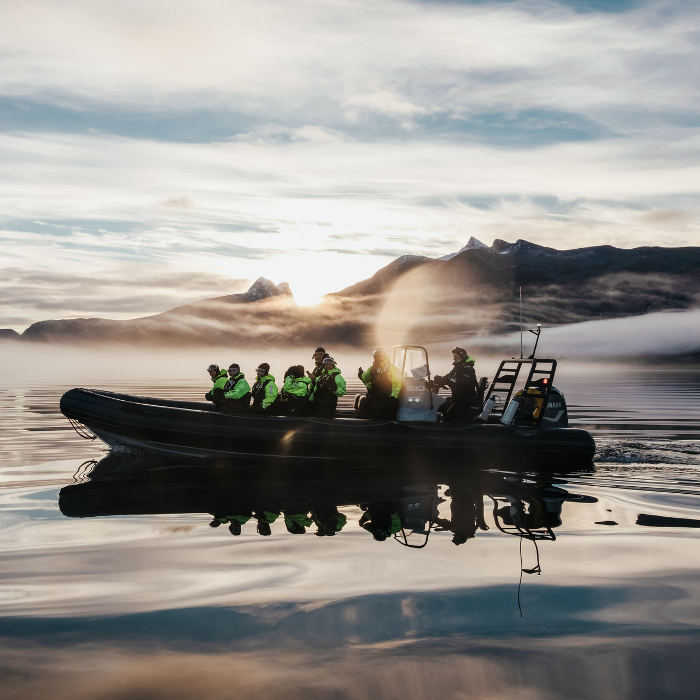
x=464 y=403
x=541 y=512
x=467 y=514
x=265 y=519
x=383 y=382
x=236 y=392
x=218 y=378
x=297 y=522
x=381 y=519
x=329 y=385
x=264 y=391
x=236 y=522
x=329 y=521
x=295 y=391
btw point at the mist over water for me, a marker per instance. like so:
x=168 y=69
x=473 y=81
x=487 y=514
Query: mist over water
x=158 y=604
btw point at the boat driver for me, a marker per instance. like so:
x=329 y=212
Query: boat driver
x=264 y=392
x=383 y=382
x=464 y=404
x=219 y=378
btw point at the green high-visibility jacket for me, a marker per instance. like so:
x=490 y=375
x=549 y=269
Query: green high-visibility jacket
x=339 y=382
x=296 y=387
x=394 y=375
x=236 y=387
x=268 y=384
x=300 y=518
x=219 y=380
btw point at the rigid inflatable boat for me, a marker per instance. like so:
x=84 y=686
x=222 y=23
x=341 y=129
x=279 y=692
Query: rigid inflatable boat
x=517 y=428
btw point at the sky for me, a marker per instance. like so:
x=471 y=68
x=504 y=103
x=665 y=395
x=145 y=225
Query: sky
x=153 y=153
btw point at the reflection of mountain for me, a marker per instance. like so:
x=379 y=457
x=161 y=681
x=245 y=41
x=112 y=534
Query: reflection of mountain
x=414 y=298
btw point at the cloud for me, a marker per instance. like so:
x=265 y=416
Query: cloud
x=181 y=202
x=415 y=126
x=117 y=293
x=653 y=334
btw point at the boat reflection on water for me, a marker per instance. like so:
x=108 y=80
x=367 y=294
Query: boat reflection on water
x=400 y=507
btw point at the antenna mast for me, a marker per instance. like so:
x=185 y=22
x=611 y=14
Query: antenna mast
x=521 y=323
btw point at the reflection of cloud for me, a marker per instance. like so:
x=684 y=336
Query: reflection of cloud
x=395 y=669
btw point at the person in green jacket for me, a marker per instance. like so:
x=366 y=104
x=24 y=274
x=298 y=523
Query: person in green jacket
x=383 y=382
x=295 y=391
x=264 y=392
x=218 y=378
x=236 y=392
x=317 y=357
x=329 y=385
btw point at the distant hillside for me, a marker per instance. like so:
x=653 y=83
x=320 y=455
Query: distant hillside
x=419 y=299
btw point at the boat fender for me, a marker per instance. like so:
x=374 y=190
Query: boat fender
x=509 y=413
x=488 y=407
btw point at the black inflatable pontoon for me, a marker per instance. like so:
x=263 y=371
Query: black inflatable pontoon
x=198 y=430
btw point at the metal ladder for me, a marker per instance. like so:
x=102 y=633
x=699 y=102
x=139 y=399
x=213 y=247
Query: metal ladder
x=506 y=378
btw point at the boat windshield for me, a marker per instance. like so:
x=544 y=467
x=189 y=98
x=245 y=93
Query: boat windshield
x=412 y=361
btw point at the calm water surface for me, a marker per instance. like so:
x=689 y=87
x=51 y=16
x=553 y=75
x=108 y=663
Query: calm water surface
x=121 y=589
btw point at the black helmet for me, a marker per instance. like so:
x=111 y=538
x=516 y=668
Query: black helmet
x=264 y=529
x=213 y=368
x=234 y=368
x=265 y=367
x=461 y=352
x=319 y=350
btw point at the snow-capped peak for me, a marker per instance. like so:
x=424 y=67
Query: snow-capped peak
x=472 y=244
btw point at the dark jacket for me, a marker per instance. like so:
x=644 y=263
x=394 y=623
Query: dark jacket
x=461 y=379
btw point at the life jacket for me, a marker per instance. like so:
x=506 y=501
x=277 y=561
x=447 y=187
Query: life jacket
x=379 y=377
x=259 y=389
x=325 y=383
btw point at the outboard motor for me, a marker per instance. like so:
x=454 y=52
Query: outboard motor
x=556 y=415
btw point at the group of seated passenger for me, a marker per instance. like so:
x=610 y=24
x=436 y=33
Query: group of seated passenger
x=314 y=393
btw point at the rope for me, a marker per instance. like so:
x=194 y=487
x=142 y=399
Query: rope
x=80 y=476
x=83 y=431
x=536 y=570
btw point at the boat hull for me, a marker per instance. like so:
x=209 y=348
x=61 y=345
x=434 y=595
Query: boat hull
x=195 y=430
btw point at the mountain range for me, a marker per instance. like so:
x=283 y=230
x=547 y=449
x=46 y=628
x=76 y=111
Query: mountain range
x=475 y=291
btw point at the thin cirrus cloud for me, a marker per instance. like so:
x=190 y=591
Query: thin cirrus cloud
x=255 y=139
